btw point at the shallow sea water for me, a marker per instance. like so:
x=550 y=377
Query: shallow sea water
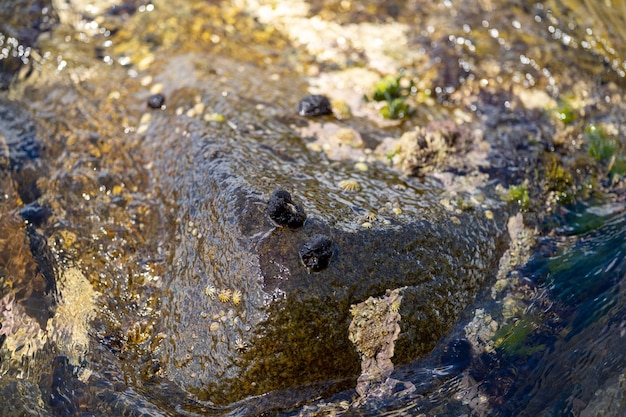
x=564 y=355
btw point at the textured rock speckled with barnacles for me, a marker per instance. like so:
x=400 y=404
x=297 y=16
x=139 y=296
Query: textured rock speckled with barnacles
x=374 y=330
x=424 y=149
x=480 y=331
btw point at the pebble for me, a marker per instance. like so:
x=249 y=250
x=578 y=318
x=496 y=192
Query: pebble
x=457 y=354
x=156 y=101
x=35 y=214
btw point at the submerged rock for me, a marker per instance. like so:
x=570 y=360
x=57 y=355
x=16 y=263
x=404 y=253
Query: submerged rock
x=34 y=213
x=290 y=328
x=20 y=149
x=457 y=354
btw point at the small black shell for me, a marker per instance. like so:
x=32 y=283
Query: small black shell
x=314 y=105
x=156 y=101
x=316 y=253
x=284 y=212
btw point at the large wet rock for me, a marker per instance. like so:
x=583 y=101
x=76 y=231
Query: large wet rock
x=162 y=210
x=246 y=316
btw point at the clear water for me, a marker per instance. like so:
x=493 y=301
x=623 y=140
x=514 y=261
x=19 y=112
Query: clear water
x=564 y=354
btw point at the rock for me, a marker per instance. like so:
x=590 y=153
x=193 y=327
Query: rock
x=291 y=327
x=175 y=227
x=19 y=145
x=22 y=22
x=315 y=105
x=373 y=330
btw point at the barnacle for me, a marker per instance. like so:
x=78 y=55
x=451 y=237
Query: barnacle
x=350 y=185
x=210 y=291
x=370 y=216
x=240 y=345
x=361 y=166
x=237 y=297
x=224 y=295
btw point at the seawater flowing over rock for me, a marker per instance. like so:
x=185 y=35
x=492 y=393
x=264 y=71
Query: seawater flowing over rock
x=141 y=272
x=291 y=326
x=196 y=285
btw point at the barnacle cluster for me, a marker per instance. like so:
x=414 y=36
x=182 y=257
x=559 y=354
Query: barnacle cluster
x=224 y=295
x=368 y=219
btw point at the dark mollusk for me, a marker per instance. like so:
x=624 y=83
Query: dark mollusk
x=314 y=105
x=284 y=211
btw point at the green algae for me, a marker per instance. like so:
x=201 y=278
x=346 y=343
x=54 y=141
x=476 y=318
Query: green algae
x=519 y=195
x=559 y=181
x=605 y=149
x=601 y=146
x=394 y=92
x=389 y=88
x=514 y=337
x=566 y=112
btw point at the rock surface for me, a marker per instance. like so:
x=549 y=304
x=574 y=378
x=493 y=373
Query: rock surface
x=294 y=322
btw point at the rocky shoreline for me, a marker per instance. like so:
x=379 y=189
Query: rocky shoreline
x=147 y=251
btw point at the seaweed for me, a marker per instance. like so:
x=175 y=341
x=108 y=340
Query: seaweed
x=519 y=194
x=391 y=90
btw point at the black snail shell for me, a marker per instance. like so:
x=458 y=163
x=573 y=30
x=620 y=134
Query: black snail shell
x=314 y=105
x=284 y=212
x=315 y=254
